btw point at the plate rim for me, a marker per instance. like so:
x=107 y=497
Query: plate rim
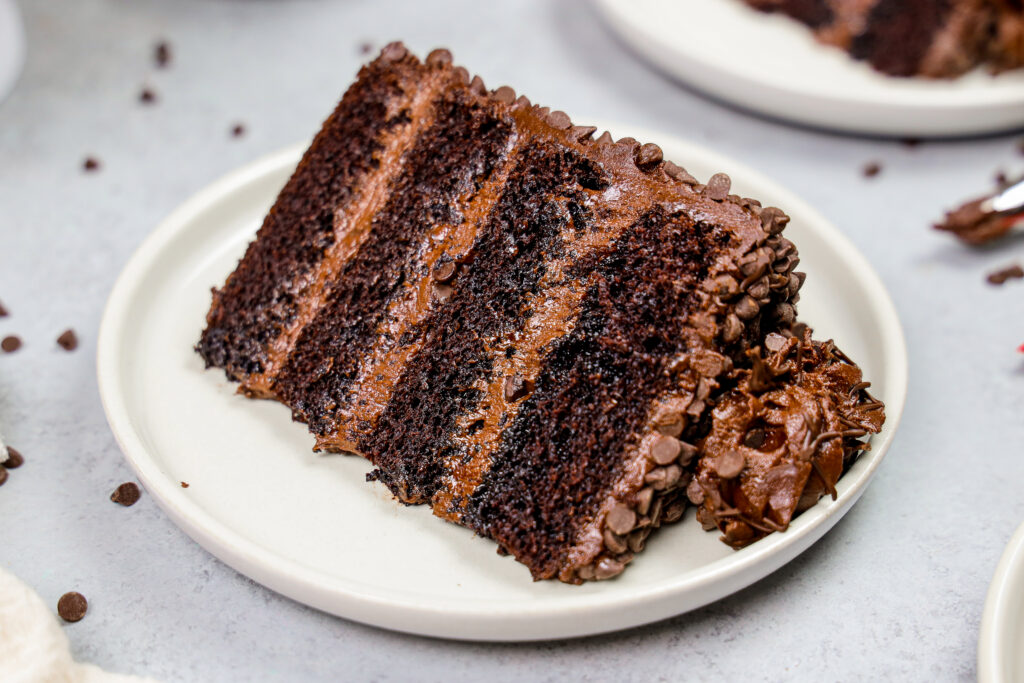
x=468 y=620
x=994 y=665
x=905 y=108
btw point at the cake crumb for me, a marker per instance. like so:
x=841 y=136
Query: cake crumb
x=365 y=48
x=1000 y=276
x=184 y=484
x=68 y=340
x=10 y=344
x=162 y=54
x=147 y=96
x=127 y=494
x=237 y=130
x=91 y=164
x=72 y=606
x=872 y=169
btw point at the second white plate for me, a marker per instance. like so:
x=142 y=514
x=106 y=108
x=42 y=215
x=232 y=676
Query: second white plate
x=1001 y=641
x=773 y=65
x=309 y=526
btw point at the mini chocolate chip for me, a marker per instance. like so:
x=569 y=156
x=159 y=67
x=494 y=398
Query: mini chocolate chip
x=747 y=308
x=754 y=438
x=695 y=492
x=1000 y=276
x=444 y=271
x=237 y=130
x=674 y=511
x=785 y=313
x=126 y=494
x=729 y=464
x=14 y=459
x=726 y=285
x=393 y=52
x=147 y=96
x=522 y=101
x=516 y=387
x=614 y=542
x=3 y=475
x=648 y=157
x=620 y=519
x=665 y=449
x=439 y=57
x=605 y=138
x=718 y=187
x=774 y=341
x=607 y=568
x=872 y=169
x=673 y=473
x=461 y=75
x=442 y=292
x=10 y=344
x=580 y=133
x=505 y=94
x=732 y=328
x=91 y=164
x=686 y=453
x=678 y=173
x=477 y=85
x=72 y=606
x=68 y=340
x=773 y=220
x=672 y=424
x=586 y=572
x=637 y=539
x=759 y=289
x=162 y=54
x=559 y=119
x=3 y=311
x=643 y=500
x=184 y=484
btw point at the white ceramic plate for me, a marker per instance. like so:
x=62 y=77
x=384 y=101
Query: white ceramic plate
x=1001 y=642
x=309 y=526
x=773 y=65
x=12 y=46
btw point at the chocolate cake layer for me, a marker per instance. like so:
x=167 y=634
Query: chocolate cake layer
x=520 y=325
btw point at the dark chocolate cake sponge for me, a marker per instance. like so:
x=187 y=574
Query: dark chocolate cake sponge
x=523 y=326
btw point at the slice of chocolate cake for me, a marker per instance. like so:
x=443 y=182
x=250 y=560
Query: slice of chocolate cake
x=518 y=324
x=930 y=38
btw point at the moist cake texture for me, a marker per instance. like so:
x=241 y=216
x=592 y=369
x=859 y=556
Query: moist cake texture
x=523 y=326
x=930 y=38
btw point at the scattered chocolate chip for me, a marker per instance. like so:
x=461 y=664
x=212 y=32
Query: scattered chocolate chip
x=505 y=94
x=237 y=130
x=754 y=438
x=184 y=484
x=162 y=54
x=620 y=519
x=127 y=494
x=516 y=387
x=718 y=187
x=91 y=164
x=147 y=96
x=444 y=271
x=729 y=464
x=665 y=449
x=72 y=606
x=3 y=311
x=68 y=340
x=3 y=475
x=10 y=344
x=366 y=48
x=872 y=169
x=648 y=157
x=1000 y=276
x=14 y=459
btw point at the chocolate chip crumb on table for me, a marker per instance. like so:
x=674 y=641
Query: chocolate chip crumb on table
x=72 y=606
x=1000 y=276
x=68 y=340
x=10 y=343
x=127 y=494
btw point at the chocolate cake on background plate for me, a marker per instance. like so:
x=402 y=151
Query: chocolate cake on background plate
x=541 y=334
x=930 y=38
